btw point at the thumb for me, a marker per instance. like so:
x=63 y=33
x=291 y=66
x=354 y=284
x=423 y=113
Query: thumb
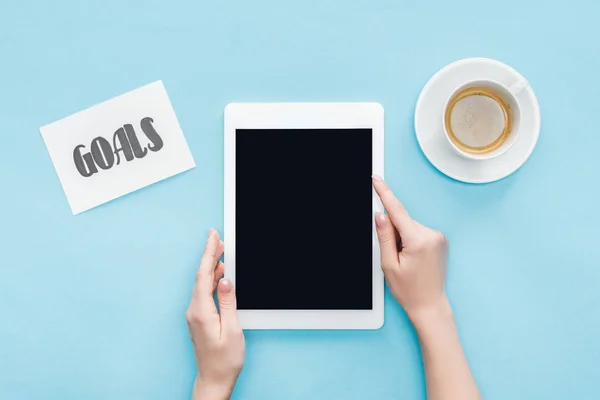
x=387 y=242
x=227 y=307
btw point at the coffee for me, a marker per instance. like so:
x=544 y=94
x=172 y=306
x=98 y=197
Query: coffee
x=478 y=120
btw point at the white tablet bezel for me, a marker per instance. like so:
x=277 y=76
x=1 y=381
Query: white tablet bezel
x=303 y=116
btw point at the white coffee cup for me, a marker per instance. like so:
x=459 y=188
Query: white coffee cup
x=506 y=98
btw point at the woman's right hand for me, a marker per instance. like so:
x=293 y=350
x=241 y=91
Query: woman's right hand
x=413 y=257
x=414 y=260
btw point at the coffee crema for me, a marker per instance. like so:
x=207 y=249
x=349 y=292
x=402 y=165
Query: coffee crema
x=478 y=120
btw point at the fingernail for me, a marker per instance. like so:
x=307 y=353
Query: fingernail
x=377 y=178
x=211 y=233
x=225 y=286
x=380 y=219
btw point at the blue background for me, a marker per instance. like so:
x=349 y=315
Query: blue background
x=92 y=306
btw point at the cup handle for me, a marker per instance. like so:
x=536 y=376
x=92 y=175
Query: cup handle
x=519 y=86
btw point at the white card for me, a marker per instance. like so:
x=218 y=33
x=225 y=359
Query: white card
x=117 y=147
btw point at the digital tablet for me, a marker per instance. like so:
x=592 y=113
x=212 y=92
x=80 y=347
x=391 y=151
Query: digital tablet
x=300 y=242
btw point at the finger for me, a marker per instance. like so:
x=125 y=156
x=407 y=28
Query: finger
x=219 y=271
x=387 y=241
x=228 y=308
x=396 y=211
x=219 y=268
x=205 y=275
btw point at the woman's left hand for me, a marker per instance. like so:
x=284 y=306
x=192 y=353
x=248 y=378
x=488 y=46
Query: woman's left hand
x=218 y=339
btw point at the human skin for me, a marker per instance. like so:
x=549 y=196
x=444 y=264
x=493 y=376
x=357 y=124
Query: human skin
x=216 y=335
x=414 y=260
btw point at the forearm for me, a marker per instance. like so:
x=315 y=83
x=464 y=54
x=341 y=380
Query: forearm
x=206 y=391
x=446 y=369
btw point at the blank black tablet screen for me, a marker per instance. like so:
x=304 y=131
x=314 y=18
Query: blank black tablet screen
x=303 y=219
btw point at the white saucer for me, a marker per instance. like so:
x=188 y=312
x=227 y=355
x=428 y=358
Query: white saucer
x=430 y=133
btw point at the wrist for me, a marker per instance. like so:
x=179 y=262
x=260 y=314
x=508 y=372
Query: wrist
x=206 y=390
x=431 y=317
